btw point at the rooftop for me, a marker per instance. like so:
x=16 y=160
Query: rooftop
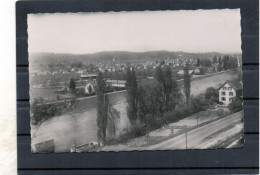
x=234 y=84
x=116 y=81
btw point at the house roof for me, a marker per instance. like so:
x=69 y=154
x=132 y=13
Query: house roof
x=89 y=76
x=116 y=81
x=234 y=84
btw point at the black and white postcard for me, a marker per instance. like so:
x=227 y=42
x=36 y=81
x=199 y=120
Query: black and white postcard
x=135 y=81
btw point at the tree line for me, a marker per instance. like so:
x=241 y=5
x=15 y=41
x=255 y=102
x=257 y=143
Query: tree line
x=147 y=105
x=226 y=62
x=152 y=106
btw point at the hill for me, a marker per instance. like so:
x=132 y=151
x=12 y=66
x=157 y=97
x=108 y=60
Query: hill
x=119 y=56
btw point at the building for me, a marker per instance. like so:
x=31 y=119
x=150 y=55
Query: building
x=181 y=72
x=197 y=71
x=116 y=83
x=88 y=77
x=229 y=90
x=90 y=87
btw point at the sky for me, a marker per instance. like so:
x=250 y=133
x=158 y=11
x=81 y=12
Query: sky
x=185 y=30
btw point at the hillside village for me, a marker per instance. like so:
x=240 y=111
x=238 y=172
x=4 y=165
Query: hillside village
x=59 y=74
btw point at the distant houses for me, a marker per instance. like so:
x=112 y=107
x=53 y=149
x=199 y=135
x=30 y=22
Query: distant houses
x=181 y=72
x=229 y=90
x=91 y=84
x=88 y=76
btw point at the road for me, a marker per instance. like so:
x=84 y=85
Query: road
x=196 y=136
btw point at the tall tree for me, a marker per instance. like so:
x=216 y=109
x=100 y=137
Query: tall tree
x=72 y=85
x=187 y=82
x=215 y=59
x=102 y=109
x=198 y=62
x=168 y=83
x=226 y=64
x=141 y=106
x=175 y=94
x=168 y=87
x=132 y=95
x=220 y=60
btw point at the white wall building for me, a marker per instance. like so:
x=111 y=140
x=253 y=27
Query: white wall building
x=116 y=83
x=228 y=91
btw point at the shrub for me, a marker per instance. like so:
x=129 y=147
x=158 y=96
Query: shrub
x=211 y=95
x=154 y=123
x=198 y=104
x=236 y=105
x=171 y=116
x=41 y=111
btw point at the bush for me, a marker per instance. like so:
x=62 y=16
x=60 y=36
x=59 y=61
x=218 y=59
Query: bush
x=80 y=92
x=41 y=111
x=169 y=116
x=236 y=105
x=154 y=123
x=211 y=94
x=182 y=112
x=198 y=104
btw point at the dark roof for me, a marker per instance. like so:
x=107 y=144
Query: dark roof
x=234 y=84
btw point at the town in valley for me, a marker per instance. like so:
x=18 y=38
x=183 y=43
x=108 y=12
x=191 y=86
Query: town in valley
x=125 y=101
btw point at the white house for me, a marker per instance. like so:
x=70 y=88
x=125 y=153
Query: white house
x=90 y=87
x=229 y=90
x=197 y=71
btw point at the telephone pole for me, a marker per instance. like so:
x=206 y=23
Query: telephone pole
x=186 y=135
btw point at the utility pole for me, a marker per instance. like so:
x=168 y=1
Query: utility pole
x=186 y=135
x=197 y=119
x=75 y=145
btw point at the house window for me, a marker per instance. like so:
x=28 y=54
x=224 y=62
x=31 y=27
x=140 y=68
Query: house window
x=231 y=94
x=223 y=93
x=224 y=88
x=223 y=99
x=230 y=88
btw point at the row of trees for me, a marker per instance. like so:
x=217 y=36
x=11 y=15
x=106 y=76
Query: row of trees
x=224 y=63
x=107 y=116
x=149 y=105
